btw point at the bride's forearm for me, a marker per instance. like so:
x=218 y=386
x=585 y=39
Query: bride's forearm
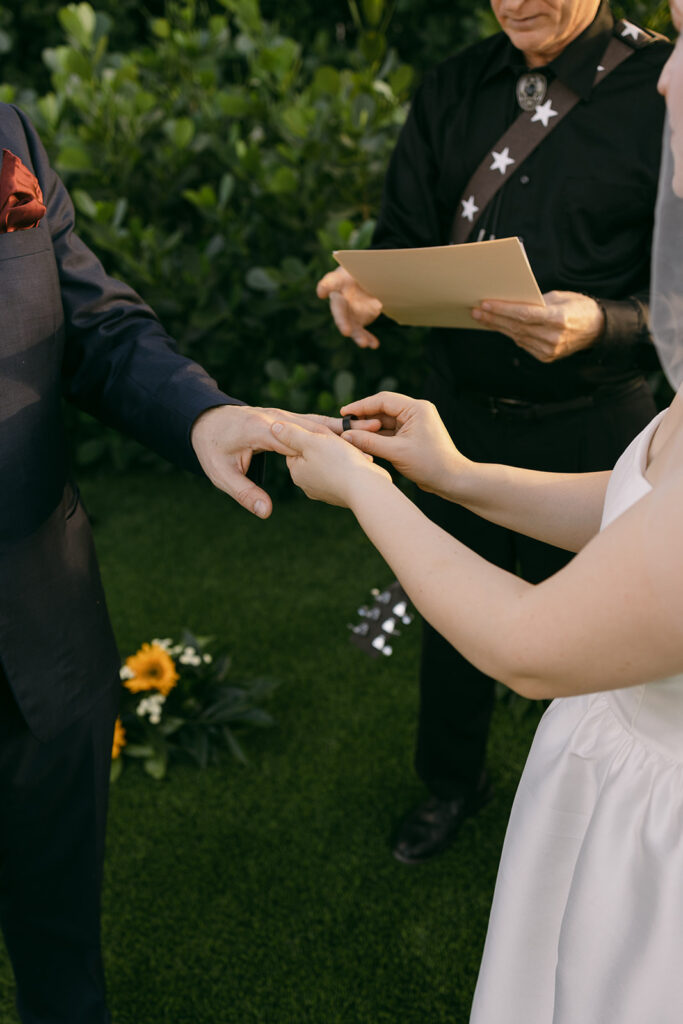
x=563 y=509
x=472 y=603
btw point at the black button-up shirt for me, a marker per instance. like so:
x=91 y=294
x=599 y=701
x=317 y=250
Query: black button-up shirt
x=582 y=202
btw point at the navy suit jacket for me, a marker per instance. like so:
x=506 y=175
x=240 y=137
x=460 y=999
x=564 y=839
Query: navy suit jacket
x=68 y=329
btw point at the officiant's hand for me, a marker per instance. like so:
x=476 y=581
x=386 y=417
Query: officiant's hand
x=351 y=306
x=225 y=437
x=413 y=438
x=566 y=324
x=325 y=467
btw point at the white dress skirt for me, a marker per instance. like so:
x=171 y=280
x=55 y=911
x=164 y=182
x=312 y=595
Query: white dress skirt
x=586 y=925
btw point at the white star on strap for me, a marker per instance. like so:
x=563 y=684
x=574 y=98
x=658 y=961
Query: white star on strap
x=601 y=67
x=630 y=30
x=469 y=208
x=501 y=161
x=544 y=113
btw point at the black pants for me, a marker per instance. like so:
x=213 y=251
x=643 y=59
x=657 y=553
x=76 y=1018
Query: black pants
x=53 y=805
x=456 y=699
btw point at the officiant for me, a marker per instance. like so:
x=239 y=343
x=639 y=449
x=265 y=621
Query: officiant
x=551 y=131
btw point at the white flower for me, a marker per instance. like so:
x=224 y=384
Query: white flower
x=165 y=644
x=190 y=657
x=207 y=659
x=126 y=673
x=151 y=707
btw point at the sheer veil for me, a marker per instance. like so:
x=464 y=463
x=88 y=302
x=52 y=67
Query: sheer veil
x=666 y=308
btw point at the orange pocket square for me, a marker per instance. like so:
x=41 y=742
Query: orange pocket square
x=21 y=198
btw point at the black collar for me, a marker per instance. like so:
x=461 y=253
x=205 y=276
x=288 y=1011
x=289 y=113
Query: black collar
x=576 y=66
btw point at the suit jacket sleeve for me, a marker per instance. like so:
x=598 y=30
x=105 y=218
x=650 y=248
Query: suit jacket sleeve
x=120 y=365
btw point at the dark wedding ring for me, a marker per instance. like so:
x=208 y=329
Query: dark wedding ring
x=346 y=422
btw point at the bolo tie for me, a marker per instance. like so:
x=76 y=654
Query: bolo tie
x=530 y=90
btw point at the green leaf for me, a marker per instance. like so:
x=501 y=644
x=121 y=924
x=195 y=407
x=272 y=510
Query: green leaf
x=326 y=80
x=169 y=726
x=383 y=89
x=401 y=79
x=235 y=102
x=373 y=11
x=362 y=236
x=49 y=107
x=180 y=131
x=276 y=369
x=203 y=198
x=196 y=745
x=225 y=190
x=221 y=667
x=344 y=386
x=261 y=279
x=78 y=21
x=234 y=745
x=257 y=716
x=215 y=246
x=282 y=180
x=160 y=27
x=280 y=58
x=115 y=769
x=263 y=686
x=120 y=209
x=373 y=45
x=188 y=639
x=297 y=120
x=74 y=157
x=247 y=13
x=156 y=766
x=138 y=750
x=84 y=202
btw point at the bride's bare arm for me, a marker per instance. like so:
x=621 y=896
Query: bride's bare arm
x=563 y=509
x=612 y=618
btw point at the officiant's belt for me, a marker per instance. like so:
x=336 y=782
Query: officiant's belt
x=516 y=408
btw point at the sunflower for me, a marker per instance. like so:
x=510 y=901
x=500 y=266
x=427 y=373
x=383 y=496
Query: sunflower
x=153 y=669
x=119 y=739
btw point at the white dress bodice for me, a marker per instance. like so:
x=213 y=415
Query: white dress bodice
x=654 y=711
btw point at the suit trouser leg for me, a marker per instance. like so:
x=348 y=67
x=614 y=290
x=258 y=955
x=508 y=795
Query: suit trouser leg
x=456 y=700
x=53 y=804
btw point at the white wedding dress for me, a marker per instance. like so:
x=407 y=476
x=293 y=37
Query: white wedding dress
x=586 y=925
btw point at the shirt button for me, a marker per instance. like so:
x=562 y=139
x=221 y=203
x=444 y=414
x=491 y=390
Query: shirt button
x=524 y=180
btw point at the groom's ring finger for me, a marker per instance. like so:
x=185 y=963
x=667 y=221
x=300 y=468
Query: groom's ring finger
x=346 y=422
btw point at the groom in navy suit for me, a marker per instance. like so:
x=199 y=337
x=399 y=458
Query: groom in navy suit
x=67 y=329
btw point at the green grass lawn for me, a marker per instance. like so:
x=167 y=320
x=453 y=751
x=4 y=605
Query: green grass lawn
x=268 y=892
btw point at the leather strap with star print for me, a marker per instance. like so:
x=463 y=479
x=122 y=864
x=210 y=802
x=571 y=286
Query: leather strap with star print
x=532 y=127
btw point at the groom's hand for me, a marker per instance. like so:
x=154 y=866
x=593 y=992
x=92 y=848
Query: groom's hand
x=226 y=436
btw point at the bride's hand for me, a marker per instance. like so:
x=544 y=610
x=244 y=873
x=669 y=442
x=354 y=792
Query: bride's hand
x=413 y=438
x=325 y=467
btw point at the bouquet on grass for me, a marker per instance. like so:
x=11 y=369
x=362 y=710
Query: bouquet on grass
x=176 y=702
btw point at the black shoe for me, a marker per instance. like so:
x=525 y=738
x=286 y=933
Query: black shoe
x=432 y=826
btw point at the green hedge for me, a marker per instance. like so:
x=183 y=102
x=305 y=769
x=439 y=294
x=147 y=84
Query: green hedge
x=216 y=158
x=215 y=168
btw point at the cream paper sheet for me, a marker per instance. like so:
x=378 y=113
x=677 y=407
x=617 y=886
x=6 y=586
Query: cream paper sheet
x=439 y=285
